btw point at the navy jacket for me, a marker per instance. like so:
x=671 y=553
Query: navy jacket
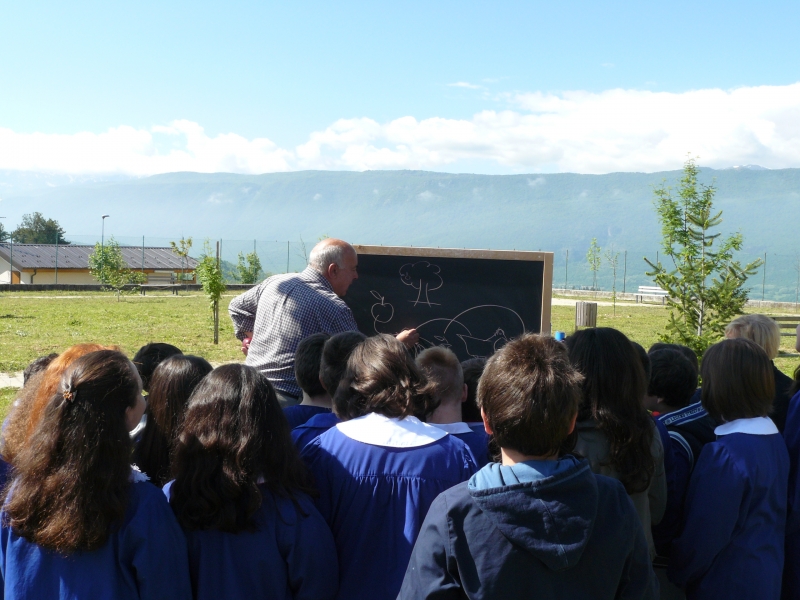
x=570 y=535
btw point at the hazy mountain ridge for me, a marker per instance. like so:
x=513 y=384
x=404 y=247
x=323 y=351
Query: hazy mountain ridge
x=556 y=212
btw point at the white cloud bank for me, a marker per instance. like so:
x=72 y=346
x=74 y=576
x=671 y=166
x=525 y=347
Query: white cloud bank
x=615 y=130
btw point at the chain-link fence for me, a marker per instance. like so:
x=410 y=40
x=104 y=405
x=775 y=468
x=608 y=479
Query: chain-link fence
x=777 y=279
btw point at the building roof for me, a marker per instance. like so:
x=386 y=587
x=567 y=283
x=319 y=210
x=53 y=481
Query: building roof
x=71 y=256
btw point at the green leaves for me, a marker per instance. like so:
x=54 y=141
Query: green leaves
x=110 y=269
x=35 y=229
x=706 y=285
x=249 y=272
x=210 y=275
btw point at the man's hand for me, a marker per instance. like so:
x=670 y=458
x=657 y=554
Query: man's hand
x=248 y=336
x=409 y=337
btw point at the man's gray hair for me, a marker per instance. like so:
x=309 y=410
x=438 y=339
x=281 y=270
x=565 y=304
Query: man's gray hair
x=325 y=254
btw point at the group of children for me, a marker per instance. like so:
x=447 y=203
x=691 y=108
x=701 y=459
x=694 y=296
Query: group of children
x=584 y=469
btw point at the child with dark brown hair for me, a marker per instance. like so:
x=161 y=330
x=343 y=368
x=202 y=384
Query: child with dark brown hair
x=732 y=545
x=241 y=494
x=539 y=523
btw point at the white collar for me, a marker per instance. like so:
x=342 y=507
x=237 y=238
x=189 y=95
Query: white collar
x=377 y=430
x=458 y=427
x=137 y=476
x=756 y=426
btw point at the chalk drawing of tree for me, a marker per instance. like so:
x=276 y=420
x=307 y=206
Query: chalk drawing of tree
x=423 y=277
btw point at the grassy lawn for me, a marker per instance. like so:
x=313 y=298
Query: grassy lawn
x=35 y=323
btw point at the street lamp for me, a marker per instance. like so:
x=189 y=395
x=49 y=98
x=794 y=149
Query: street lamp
x=103 y=233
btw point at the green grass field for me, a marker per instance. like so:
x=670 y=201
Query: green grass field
x=36 y=323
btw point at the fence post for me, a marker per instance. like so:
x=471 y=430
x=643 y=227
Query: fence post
x=585 y=314
x=566 y=270
x=624 y=269
x=143 y=255
x=216 y=308
x=56 y=257
x=764 y=276
x=287 y=257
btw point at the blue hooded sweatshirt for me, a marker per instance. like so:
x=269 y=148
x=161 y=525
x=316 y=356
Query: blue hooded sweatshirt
x=544 y=529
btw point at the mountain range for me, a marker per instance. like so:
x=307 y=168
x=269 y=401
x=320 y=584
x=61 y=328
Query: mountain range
x=553 y=212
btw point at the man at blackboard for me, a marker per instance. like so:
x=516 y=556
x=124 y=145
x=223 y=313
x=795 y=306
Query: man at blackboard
x=284 y=309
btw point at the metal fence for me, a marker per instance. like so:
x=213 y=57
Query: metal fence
x=777 y=279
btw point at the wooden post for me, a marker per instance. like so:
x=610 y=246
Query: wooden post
x=585 y=314
x=566 y=270
x=624 y=270
x=56 y=257
x=216 y=308
x=764 y=276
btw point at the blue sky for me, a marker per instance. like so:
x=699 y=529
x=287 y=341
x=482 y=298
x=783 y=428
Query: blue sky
x=275 y=74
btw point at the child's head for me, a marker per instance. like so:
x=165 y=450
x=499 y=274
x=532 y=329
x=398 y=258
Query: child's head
x=148 y=358
x=673 y=380
x=171 y=385
x=529 y=394
x=759 y=328
x=307 y=364
x=472 y=369
x=685 y=350
x=37 y=365
x=381 y=377
x=614 y=376
x=737 y=380
x=334 y=358
x=73 y=476
x=440 y=365
x=234 y=434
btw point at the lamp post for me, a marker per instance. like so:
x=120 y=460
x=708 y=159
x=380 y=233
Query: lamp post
x=103 y=233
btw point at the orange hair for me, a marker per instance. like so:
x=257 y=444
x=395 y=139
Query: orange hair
x=51 y=379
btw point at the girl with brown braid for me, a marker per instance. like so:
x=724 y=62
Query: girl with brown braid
x=77 y=521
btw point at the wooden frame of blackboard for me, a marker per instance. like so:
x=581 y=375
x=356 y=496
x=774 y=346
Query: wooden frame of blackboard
x=422 y=251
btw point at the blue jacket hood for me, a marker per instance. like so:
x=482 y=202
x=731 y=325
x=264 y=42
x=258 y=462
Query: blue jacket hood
x=547 y=508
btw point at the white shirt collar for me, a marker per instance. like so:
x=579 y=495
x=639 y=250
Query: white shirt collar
x=458 y=427
x=377 y=430
x=756 y=426
x=137 y=476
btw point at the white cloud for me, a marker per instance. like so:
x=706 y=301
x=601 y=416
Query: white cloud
x=465 y=84
x=578 y=131
x=317 y=196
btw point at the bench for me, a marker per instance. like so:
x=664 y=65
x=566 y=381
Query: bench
x=652 y=292
x=789 y=323
x=173 y=287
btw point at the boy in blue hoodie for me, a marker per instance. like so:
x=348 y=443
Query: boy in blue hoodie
x=538 y=523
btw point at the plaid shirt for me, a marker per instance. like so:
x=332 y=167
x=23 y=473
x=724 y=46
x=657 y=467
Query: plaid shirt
x=281 y=311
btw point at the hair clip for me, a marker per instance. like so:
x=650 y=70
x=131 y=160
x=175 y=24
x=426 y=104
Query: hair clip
x=68 y=396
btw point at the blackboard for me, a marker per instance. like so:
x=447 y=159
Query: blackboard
x=472 y=301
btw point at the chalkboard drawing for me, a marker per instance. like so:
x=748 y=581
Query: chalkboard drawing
x=382 y=311
x=424 y=277
x=479 y=348
x=472 y=327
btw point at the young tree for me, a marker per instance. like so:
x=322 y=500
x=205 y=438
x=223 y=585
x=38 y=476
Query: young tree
x=35 y=229
x=249 y=271
x=613 y=261
x=107 y=265
x=4 y=234
x=181 y=248
x=210 y=276
x=705 y=284
x=594 y=258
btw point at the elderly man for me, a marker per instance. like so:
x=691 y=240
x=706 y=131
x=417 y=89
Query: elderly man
x=284 y=309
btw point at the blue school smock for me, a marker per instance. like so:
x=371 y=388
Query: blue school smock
x=791 y=435
x=377 y=477
x=290 y=555
x=735 y=515
x=299 y=414
x=145 y=557
x=313 y=428
x=537 y=529
x=476 y=441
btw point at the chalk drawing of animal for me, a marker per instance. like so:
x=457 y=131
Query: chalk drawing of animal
x=483 y=347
